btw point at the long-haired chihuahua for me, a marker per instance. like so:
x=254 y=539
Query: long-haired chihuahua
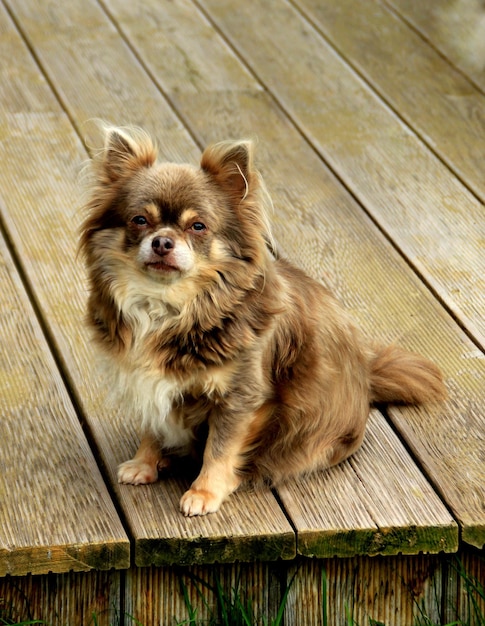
x=214 y=342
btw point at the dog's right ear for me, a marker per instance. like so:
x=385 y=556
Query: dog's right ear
x=126 y=151
x=230 y=164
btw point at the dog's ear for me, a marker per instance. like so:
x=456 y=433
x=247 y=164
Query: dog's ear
x=125 y=152
x=230 y=164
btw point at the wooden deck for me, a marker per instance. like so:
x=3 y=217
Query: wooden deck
x=370 y=122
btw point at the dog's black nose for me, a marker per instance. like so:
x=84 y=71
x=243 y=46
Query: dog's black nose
x=162 y=245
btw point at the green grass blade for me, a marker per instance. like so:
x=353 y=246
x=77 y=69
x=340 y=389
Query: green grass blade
x=350 y=619
x=221 y=603
x=243 y=614
x=281 y=609
x=188 y=604
x=133 y=619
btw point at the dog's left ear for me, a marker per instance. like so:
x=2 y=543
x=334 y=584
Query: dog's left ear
x=230 y=164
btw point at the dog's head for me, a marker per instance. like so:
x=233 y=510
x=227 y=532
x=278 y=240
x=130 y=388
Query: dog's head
x=166 y=222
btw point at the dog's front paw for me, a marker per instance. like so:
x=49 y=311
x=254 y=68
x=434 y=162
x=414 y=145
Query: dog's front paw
x=199 y=502
x=136 y=472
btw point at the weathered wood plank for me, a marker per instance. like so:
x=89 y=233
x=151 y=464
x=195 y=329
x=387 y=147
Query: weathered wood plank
x=71 y=599
x=404 y=515
x=154 y=594
x=393 y=590
x=318 y=223
x=468 y=571
x=42 y=157
x=433 y=97
x=431 y=216
x=97 y=77
x=455 y=27
x=389 y=590
x=248 y=527
x=56 y=514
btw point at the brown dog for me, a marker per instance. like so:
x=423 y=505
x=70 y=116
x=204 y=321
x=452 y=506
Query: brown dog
x=209 y=338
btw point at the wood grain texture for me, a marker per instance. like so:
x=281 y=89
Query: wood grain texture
x=433 y=97
x=455 y=27
x=96 y=76
x=390 y=590
x=468 y=572
x=154 y=595
x=393 y=590
x=41 y=173
x=56 y=514
x=70 y=599
x=319 y=224
x=248 y=527
x=381 y=485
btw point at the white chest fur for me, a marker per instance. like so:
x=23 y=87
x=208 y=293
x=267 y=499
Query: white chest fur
x=145 y=392
x=138 y=384
x=147 y=397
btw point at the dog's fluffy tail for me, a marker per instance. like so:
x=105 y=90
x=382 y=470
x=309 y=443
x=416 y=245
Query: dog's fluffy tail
x=404 y=377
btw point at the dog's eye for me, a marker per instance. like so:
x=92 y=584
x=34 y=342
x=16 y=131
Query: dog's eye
x=198 y=227
x=139 y=220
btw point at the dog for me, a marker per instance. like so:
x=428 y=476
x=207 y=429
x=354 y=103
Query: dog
x=216 y=343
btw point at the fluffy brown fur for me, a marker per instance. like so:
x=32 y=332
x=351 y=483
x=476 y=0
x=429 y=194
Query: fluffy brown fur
x=211 y=340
